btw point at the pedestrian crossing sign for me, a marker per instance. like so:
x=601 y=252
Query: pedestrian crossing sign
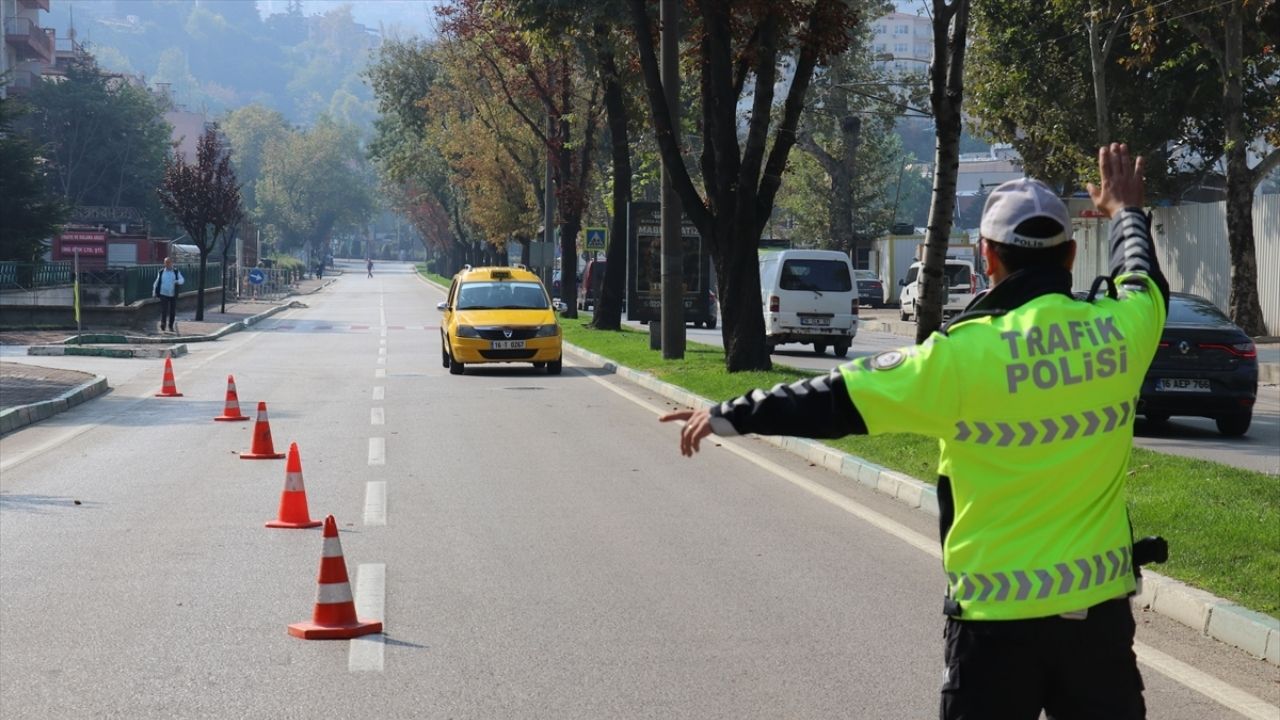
x=596 y=237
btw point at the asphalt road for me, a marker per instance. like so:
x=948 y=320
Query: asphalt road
x=1199 y=438
x=535 y=546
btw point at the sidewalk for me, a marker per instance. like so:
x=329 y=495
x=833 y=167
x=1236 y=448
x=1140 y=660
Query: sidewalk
x=30 y=393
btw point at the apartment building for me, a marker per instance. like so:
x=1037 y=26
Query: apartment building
x=28 y=47
x=903 y=43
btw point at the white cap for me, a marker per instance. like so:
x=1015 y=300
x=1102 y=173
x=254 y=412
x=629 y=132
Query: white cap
x=1019 y=200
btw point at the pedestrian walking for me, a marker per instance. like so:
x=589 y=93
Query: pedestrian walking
x=165 y=287
x=1032 y=394
x=369 y=266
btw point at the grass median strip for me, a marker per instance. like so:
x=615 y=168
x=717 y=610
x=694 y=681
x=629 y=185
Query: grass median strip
x=1222 y=523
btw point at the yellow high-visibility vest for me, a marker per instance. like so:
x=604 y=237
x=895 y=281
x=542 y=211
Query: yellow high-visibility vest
x=1034 y=411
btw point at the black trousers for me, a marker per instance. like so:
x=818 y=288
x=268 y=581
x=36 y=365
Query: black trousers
x=1071 y=669
x=168 y=311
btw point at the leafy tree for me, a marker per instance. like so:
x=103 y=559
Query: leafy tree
x=313 y=184
x=735 y=44
x=104 y=138
x=250 y=130
x=946 y=93
x=204 y=198
x=414 y=172
x=1240 y=38
x=523 y=65
x=1169 y=55
x=30 y=213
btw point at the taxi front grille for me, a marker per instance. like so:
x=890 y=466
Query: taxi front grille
x=507 y=354
x=498 y=333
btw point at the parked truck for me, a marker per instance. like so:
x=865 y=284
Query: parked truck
x=892 y=256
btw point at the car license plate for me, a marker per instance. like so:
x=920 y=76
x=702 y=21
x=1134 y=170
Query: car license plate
x=508 y=345
x=815 y=321
x=1183 y=385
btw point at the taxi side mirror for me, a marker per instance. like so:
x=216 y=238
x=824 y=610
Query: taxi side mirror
x=442 y=306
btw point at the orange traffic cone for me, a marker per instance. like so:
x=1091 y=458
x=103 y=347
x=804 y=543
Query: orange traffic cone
x=168 y=388
x=262 y=449
x=231 y=411
x=334 y=617
x=293 y=501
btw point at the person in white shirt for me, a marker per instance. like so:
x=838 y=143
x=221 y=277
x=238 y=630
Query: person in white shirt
x=166 y=288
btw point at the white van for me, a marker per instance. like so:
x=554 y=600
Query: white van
x=809 y=296
x=963 y=283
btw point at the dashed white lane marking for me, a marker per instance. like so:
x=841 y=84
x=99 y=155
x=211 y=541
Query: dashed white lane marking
x=379 y=393
x=375 y=502
x=382 y=351
x=1227 y=695
x=368 y=652
x=382 y=359
x=382 y=342
x=380 y=373
x=382 y=332
x=377 y=451
x=377 y=416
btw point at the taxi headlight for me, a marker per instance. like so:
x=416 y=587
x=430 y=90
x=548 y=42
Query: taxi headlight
x=467 y=331
x=545 y=331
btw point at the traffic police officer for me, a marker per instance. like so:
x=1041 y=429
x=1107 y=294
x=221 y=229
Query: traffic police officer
x=1032 y=394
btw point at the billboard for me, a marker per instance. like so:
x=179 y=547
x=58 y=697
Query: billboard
x=644 y=266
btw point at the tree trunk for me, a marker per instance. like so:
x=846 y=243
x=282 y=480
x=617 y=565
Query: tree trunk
x=1245 y=309
x=608 y=309
x=946 y=94
x=204 y=261
x=841 y=218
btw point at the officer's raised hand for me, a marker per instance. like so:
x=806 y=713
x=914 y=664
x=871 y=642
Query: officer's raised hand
x=1121 y=184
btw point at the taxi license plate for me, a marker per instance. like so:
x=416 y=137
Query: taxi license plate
x=507 y=345
x=815 y=321
x=1183 y=385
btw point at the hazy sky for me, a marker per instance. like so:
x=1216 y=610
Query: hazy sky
x=417 y=16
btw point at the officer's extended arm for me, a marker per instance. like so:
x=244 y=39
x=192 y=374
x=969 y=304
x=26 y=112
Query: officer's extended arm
x=817 y=407
x=1133 y=252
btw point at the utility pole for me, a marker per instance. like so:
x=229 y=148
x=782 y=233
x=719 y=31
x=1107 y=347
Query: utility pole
x=549 y=199
x=672 y=328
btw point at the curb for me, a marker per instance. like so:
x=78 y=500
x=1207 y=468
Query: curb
x=24 y=415
x=1222 y=620
x=112 y=352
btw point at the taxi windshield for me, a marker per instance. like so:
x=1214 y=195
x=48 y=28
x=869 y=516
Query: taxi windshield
x=502 y=295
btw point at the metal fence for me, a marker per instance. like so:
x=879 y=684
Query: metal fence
x=31 y=276
x=275 y=285
x=1191 y=241
x=138 y=280
x=128 y=284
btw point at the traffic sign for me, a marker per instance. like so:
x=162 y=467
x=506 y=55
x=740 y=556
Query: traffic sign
x=257 y=277
x=596 y=238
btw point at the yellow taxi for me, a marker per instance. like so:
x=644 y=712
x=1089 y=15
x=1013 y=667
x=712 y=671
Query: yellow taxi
x=499 y=315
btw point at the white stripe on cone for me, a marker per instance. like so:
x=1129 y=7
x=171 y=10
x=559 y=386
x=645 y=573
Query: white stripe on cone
x=293 y=482
x=333 y=593
x=332 y=548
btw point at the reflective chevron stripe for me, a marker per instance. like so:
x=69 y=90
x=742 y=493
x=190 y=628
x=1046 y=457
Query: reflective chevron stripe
x=1025 y=433
x=1060 y=579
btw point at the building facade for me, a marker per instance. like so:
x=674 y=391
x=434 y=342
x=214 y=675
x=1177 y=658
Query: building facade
x=28 y=47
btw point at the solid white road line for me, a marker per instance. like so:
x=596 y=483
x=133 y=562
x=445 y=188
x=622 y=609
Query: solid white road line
x=377 y=416
x=1223 y=693
x=377 y=451
x=379 y=392
x=379 y=374
x=367 y=652
x=375 y=502
x=382 y=332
